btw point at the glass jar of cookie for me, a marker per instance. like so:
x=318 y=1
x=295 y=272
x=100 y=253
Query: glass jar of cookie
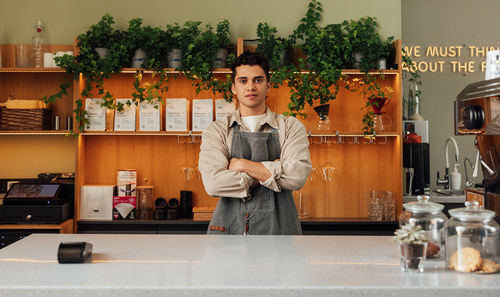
x=430 y=217
x=472 y=238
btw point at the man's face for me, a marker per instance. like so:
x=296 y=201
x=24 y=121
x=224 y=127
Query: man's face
x=251 y=87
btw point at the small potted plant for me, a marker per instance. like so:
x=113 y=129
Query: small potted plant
x=275 y=49
x=101 y=36
x=412 y=247
x=223 y=44
x=134 y=40
x=179 y=39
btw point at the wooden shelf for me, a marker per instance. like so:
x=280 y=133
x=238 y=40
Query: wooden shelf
x=65 y=227
x=35 y=132
x=173 y=70
x=141 y=133
x=32 y=70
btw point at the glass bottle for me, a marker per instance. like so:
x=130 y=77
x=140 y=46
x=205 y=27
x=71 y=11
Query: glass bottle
x=472 y=240
x=430 y=217
x=38 y=42
x=145 y=202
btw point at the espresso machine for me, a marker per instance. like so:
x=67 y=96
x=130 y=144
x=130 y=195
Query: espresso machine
x=477 y=112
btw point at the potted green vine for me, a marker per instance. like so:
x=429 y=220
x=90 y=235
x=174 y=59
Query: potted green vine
x=325 y=50
x=223 y=44
x=368 y=48
x=101 y=36
x=179 y=39
x=93 y=68
x=134 y=39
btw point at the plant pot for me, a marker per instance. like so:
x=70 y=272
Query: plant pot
x=382 y=64
x=102 y=52
x=356 y=59
x=220 y=58
x=138 y=59
x=412 y=256
x=175 y=58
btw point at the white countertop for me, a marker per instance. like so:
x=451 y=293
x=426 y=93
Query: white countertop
x=439 y=198
x=236 y=266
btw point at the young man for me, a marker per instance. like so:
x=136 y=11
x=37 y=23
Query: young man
x=254 y=159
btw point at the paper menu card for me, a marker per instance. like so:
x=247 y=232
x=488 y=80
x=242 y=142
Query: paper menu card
x=150 y=116
x=203 y=114
x=223 y=108
x=125 y=119
x=176 y=114
x=96 y=114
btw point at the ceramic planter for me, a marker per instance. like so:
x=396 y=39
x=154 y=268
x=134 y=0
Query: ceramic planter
x=102 y=52
x=220 y=58
x=138 y=59
x=175 y=58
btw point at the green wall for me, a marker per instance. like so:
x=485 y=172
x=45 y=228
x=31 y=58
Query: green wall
x=66 y=18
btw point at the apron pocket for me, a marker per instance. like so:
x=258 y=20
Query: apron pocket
x=262 y=201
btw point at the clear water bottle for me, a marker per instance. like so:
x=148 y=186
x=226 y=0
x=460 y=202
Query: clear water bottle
x=38 y=42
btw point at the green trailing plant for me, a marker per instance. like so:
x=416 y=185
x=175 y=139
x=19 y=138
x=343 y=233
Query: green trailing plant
x=135 y=37
x=102 y=34
x=410 y=233
x=181 y=37
x=364 y=39
x=325 y=50
x=278 y=51
x=200 y=56
x=92 y=68
x=222 y=34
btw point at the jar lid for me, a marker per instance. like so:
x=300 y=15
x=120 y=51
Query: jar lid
x=472 y=212
x=423 y=205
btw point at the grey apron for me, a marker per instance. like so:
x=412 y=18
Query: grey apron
x=266 y=211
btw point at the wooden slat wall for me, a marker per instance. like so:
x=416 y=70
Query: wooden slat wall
x=359 y=167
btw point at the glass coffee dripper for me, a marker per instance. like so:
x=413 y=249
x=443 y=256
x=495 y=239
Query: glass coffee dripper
x=381 y=121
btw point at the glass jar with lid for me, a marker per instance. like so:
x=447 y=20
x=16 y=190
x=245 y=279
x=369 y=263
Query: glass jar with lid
x=472 y=240
x=430 y=217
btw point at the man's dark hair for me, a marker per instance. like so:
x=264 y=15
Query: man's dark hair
x=251 y=59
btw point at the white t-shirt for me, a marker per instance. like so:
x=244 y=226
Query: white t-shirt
x=252 y=122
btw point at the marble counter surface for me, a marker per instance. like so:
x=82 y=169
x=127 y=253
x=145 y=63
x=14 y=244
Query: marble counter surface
x=201 y=265
x=439 y=198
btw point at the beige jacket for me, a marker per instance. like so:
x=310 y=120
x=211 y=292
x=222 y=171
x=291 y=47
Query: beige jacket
x=290 y=172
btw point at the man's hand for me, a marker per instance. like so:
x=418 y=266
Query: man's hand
x=255 y=169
